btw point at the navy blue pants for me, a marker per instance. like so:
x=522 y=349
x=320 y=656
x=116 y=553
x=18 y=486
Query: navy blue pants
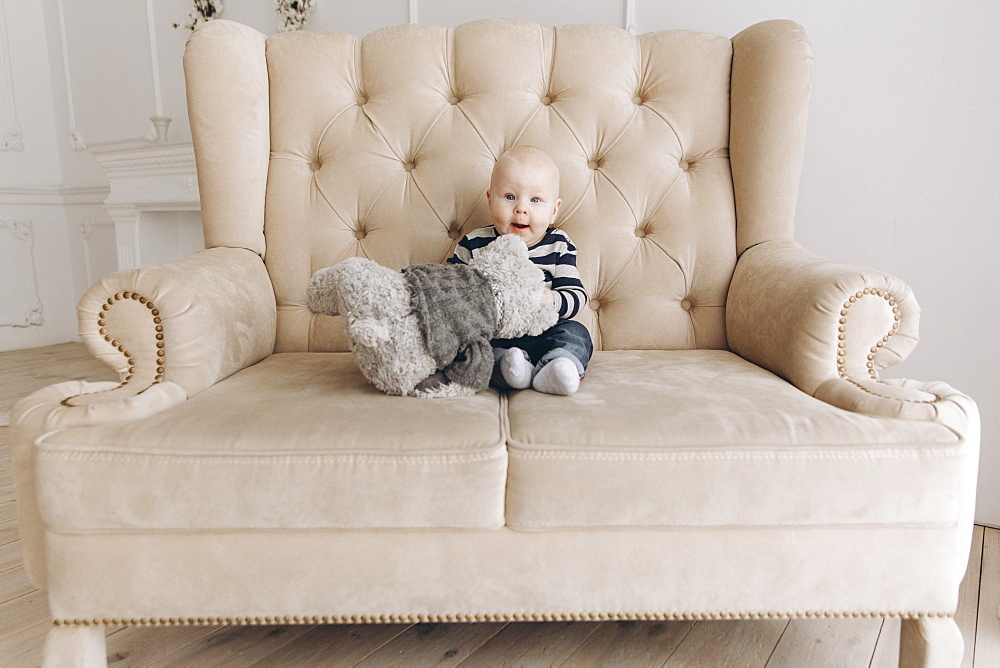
x=567 y=338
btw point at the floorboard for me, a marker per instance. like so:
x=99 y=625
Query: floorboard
x=334 y=645
x=886 y=653
x=144 y=646
x=631 y=644
x=988 y=626
x=532 y=645
x=433 y=644
x=968 y=598
x=728 y=643
x=232 y=645
x=827 y=642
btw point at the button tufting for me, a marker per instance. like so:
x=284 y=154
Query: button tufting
x=546 y=100
x=453 y=100
x=641 y=232
x=686 y=305
x=362 y=100
x=685 y=165
x=637 y=100
x=454 y=233
x=595 y=304
x=314 y=165
x=360 y=234
x=593 y=164
x=409 y=166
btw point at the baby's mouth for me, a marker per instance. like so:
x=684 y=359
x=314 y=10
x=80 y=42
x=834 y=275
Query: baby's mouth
x=519 y=226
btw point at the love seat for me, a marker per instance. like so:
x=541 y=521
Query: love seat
x=732 y=453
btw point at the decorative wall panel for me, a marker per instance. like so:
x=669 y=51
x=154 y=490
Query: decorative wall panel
x=19 y=302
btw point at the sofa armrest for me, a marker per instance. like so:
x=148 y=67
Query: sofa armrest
x=170 y=330
x=829 y=329
x=192 y=322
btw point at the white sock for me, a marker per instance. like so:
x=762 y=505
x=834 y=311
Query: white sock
x=516 y=368
x=557 y=377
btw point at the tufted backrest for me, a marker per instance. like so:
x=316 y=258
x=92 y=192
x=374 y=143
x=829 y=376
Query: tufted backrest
x=382 y=147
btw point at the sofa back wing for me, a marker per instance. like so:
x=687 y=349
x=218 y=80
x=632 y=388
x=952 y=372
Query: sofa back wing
x=225 y=74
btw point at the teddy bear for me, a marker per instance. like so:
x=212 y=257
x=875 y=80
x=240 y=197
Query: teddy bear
x=434 y=320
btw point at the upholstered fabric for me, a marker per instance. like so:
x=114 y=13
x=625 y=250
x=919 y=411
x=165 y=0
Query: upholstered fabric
x=192 y=322
x=387 y=576
x=693 y=438
x=297 y=441
x=772 y=71
x=386 y=150
x=60 y=406
x=224 y=71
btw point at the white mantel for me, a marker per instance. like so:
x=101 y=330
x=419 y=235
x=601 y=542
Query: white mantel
x=151 y=184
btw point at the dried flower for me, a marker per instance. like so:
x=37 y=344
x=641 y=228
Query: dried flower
x=203 y=10
x=294 y=13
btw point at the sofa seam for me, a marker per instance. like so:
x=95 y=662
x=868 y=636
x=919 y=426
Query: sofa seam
x=516 y=449
x=44 y=452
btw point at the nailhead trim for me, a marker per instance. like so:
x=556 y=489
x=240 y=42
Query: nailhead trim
x=160 y=351
x=493 y=617
x=842 y=344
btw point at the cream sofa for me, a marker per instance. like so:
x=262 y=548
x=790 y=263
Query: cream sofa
x=732 y=453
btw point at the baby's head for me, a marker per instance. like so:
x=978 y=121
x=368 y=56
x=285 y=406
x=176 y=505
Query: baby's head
x=524 y=193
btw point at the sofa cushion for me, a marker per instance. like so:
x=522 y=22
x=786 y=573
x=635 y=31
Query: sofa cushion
x=703 y=437
x=297 y=441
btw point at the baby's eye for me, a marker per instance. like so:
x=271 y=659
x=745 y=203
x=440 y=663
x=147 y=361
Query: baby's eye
x=535 y=200
x=509 y=196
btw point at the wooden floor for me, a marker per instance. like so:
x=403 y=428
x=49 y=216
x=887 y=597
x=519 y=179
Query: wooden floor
x=24 y=615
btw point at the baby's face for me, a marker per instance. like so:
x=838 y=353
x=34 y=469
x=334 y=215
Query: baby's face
x=524 y=199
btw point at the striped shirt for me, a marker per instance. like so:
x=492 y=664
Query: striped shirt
x=555 y=255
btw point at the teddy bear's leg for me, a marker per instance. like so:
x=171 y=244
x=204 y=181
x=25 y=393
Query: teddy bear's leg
x=431 y=383
x=447 y=390
x=399 y=363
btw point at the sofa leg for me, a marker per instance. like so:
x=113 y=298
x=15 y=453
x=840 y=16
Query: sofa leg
x=76 y=647
x=930 y=643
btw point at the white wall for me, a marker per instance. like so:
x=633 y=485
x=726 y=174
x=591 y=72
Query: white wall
x=901 y=173
x=48 y=261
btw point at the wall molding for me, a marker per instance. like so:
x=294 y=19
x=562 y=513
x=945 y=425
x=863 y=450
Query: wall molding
x=75 y=138
x=54 y=196
x=149 y=176
x=21 y=307
x=87 y=226
x=630 y=23
x=11 y=137
x=145 y=177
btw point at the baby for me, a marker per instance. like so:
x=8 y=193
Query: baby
x=524 y=198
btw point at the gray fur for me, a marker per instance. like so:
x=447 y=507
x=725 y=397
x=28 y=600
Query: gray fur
x=384 y=331
x=455 y=307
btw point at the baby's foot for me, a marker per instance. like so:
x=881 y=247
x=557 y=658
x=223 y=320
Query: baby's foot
x=516 y=368
x=557 y=377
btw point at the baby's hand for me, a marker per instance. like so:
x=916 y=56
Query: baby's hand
x=548 y=297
